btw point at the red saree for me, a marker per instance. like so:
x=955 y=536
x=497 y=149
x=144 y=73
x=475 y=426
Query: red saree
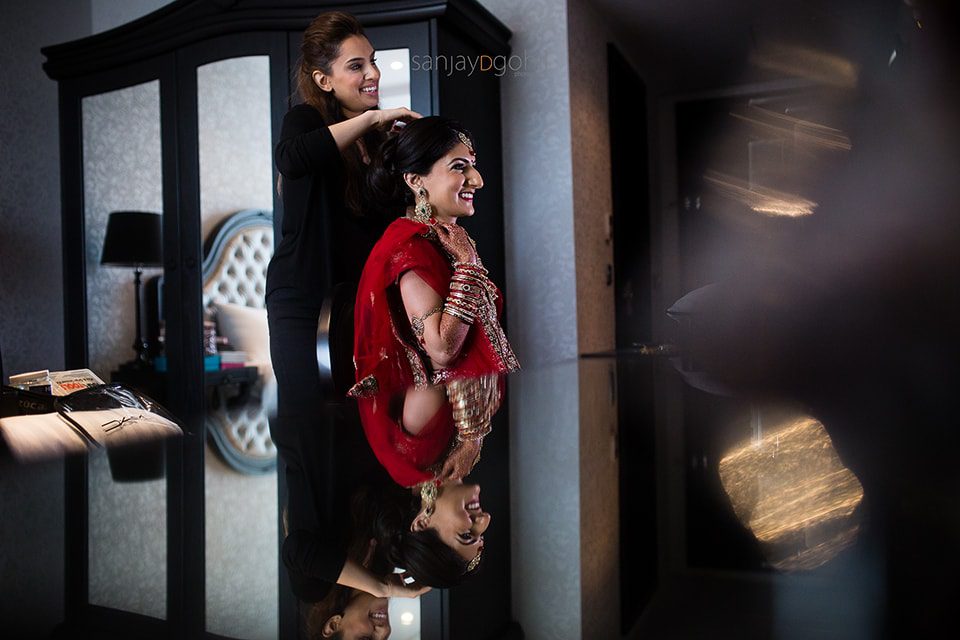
x=388 y=359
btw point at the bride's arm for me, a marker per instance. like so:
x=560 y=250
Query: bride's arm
x=443 y=334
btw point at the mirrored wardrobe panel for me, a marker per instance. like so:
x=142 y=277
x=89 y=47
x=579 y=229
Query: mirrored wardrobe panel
x=122 y=195
x=236 y=201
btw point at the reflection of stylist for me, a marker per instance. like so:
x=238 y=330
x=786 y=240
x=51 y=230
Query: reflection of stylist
x=321 y=157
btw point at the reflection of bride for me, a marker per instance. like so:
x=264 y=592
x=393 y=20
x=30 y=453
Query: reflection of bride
x=340 y=578
x=428 y=342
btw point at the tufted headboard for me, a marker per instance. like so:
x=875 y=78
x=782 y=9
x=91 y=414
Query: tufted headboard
x=234 y=273
x=236 y=258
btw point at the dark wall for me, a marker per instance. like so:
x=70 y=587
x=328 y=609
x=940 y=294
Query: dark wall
x=31 y=295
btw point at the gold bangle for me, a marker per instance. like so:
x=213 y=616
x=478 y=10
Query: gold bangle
x=459 y=305
x=470 y=266
x=458 y=314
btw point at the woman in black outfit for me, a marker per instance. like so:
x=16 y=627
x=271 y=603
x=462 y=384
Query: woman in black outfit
x=321 y=157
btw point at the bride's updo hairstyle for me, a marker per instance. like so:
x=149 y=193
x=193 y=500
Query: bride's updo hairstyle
x=389 y=510
x=414 y=149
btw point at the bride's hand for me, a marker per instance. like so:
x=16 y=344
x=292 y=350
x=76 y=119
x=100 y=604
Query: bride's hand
x=457 y=243
x=387 y=118
x=459 y=463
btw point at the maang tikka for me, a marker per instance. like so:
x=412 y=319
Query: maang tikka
x=422 y=210
x=467 y=142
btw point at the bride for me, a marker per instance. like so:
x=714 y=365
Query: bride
x=428 y=346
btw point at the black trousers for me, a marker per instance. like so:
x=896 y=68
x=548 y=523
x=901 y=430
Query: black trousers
x=301 y=426
x=317 y=429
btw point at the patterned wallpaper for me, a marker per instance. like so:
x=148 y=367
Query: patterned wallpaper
x=31 y=301
x=236 y=172
x=545 y=496
x=541 y=284
x=538 y=205
x=236 y=154
x=121 y=170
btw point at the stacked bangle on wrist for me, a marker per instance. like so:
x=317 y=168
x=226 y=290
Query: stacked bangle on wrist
x=473 y=401
x=466 y=291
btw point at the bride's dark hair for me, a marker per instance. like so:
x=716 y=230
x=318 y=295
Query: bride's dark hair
x=414 y=149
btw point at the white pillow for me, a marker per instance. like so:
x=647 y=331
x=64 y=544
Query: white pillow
x=246 y=329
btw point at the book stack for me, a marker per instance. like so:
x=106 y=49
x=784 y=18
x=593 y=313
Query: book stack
x=57 y=383
x=233 y=359
x=210 y=363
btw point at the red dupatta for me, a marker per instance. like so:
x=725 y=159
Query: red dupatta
x=386 y=356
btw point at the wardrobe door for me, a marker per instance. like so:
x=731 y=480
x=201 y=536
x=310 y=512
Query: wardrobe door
x=127 y=513
x=240 y=480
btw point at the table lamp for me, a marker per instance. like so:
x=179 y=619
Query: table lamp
x=134 y=240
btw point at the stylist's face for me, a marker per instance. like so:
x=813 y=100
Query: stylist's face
x=354 y=77
x=365 y=618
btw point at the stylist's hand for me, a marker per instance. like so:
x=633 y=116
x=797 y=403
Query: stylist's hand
x=387 y=118
x=394 y=587
x=457 y=243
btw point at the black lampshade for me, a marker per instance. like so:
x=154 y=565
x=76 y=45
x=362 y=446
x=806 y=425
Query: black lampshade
x=134 y=238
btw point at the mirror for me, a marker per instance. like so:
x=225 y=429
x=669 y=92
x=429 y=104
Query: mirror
x=236 y=202
x=394 y=78
x=122 y=171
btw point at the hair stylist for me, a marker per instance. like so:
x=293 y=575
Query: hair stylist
x=321 y=156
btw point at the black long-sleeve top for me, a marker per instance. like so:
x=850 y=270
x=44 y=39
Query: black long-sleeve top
x=334 y=459
x=322 y=243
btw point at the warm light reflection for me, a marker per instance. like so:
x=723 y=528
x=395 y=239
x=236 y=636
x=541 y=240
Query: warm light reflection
x=406 y=618
x=808 y=63
x=802 y=132
x=791 y=490
x=763 y=200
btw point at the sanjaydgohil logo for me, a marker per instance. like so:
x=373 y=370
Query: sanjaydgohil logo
x=448 y=64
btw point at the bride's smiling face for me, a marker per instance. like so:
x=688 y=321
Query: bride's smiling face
x=452 y=183
x=458 y=518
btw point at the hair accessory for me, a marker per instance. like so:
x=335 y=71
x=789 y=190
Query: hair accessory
x=422 y=210
x=466 y=142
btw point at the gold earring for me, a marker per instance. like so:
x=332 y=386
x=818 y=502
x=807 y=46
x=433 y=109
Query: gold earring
x=428 y=497
x=422 y=211
x=428 y=503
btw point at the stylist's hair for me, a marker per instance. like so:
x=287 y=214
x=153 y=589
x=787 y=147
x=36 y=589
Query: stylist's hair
x=414 y=149
x=424 y=556
x=319 y=49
